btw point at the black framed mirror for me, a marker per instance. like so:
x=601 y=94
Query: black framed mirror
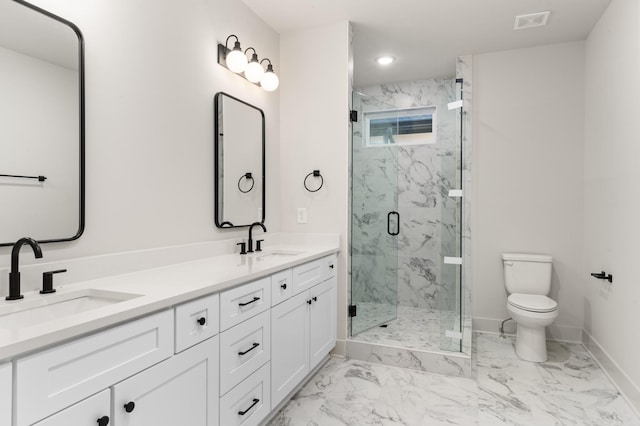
x=42 y=126
x=239 y=162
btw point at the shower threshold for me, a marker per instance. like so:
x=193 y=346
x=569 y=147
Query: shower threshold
x=412 y=340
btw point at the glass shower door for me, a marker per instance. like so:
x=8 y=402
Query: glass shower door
x=375 y=221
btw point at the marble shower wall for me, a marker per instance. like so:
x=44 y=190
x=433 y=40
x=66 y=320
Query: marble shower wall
x=423 y=176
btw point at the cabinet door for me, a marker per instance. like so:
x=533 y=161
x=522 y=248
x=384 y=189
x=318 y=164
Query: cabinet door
x=322 y=320
x=5 y=394
x=94 y=410
x=289 y=346
x=182 y=390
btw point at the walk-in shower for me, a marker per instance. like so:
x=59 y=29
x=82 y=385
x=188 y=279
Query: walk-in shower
x=408 y=223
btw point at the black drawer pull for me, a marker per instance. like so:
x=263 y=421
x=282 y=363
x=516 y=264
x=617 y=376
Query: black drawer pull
x=255 y=401
x=202 y=320
x=309 y=301
x=315 y=299
x=129 y=406
x=255 y=299
x=331 y=266
x=283 y=286
x=103 y=421
x=255 y=345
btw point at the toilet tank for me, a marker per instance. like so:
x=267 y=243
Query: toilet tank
x=527 y=273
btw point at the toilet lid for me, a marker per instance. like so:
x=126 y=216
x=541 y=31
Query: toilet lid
x=532 y=302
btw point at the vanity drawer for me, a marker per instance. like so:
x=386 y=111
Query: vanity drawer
x=331 y=266
x=307 y=275
x=53 y=379
x=243 y=349
x=243 y=302
x=281 y=286
x=248 y=403
x=196 y=321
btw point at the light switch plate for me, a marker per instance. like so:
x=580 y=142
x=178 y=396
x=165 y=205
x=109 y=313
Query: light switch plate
x=302 y=215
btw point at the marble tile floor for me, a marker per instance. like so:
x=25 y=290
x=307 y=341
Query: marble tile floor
x=568 y=389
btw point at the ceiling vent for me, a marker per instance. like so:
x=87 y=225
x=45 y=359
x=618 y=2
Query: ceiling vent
x=531 y=20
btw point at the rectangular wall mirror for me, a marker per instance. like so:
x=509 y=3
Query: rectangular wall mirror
x=41 y=125
x=239 y=162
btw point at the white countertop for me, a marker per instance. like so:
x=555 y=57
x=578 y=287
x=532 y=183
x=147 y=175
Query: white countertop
x=160 y=288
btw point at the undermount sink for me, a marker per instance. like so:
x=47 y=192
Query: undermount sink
x=26 y=313
x=279 y=253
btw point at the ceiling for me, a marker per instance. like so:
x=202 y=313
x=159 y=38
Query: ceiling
x=426 y=35
x=34 y=34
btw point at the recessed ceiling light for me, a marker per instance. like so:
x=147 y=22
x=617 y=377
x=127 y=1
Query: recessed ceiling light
x=385 y=60
x=531 y=20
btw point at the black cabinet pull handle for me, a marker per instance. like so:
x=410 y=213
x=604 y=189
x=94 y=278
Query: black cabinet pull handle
x=315 y=299
x=255 y=401
x=255 y=345
x=129 y=406
x=103 y=421
x=255 y=299
x=202 y=320
x=309 y=301
x=283 y=286
x=331 y=266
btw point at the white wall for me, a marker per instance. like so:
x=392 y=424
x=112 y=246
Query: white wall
x=612 y=205
x=151 y=74
x=314 y=99
x=527 y=174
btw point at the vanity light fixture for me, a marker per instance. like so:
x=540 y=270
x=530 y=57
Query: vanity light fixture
x=236 y=61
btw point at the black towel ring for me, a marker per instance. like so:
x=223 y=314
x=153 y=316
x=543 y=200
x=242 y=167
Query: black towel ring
x=315 y=173
x=246 y=176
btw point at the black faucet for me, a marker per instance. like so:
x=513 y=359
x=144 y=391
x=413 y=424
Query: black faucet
x=250 y=242
x=14 y=275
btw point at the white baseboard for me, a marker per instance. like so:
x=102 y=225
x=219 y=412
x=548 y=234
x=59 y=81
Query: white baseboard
x=340 y=350
x=629 y=390
x=560 y=333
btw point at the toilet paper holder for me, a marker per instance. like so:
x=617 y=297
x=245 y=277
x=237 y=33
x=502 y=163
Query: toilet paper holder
x=602 y=275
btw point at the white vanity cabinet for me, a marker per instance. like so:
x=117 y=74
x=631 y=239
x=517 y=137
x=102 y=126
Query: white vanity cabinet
x=5 y=394
x=227 y=358
x=303 y=329
x=182 y=390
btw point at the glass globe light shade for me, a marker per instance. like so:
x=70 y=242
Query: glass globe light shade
x=236 y=61
x=270 y=80
x=254 y=72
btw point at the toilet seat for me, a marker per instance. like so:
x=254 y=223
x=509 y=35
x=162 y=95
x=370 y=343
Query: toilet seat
x=532 y=302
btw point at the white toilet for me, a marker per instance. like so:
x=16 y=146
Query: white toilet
x=527 y=278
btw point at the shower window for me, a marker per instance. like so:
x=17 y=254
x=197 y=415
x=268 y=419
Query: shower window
x=411 y=126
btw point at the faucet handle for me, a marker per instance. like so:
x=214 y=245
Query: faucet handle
x=243 y=247
x=259 y=245
x=47 y=281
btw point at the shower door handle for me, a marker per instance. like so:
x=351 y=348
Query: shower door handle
x=397 y=215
